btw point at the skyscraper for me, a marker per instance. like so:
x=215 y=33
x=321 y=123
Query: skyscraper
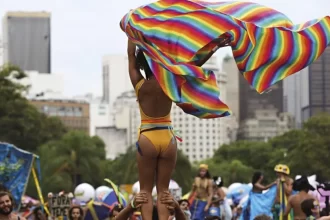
x=27 y=40
x=115 y=77
x=318 y=92
x=250 y=100
x=260 y=116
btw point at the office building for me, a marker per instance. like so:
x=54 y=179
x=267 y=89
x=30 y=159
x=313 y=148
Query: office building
x=317 y=81
x=115 y=77
x=1 y=51
x=42 y=83
x=99 y=112
x=259 y=116
x=27 y=40
x=294 y=94
x=74 y=114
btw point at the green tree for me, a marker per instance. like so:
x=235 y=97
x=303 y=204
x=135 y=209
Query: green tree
x=311 y=151
x=69 y=161
x=20 y=123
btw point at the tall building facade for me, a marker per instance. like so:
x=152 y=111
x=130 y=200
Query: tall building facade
x=1 y=51
x=74 y=114
x=115 y=77
x=27 y=40
x=250 y=100
x=318 y=82
x=42 y=83
x=99 y=112
x=259 y=116
x=295 y=93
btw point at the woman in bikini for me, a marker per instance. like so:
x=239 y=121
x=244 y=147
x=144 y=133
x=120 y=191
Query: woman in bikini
x=156 y=144
x=157 y=147
x=202 y=192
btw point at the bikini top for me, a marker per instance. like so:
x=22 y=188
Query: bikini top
x=144 y=117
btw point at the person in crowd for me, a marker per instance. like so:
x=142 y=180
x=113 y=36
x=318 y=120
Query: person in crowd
x=302 y=186
x=262 y=217
x=202 y=191
x=7 y=206
x=115 y=211
x=257 y=186
x=219 y=194
x=184 y=205
x=284 y=189
x=38 y=214
x=76 y=213
x=311 y=208
x=156 y=144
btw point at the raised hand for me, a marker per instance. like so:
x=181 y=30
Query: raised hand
x=140 y=199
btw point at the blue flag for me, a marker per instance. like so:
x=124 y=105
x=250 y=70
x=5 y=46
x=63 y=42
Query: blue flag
x=15 y=167
x=259 y=204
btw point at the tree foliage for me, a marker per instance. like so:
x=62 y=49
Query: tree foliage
x=20 y=123
x=65 y=163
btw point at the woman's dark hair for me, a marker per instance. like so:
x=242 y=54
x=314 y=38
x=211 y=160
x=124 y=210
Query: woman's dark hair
x=302 y=184
x=35 y=212
x=117 y=208
x=184 y=200
x=307 y=206
x=143 y=64
x=256 y=176
x=207 y=174
x=81 y=211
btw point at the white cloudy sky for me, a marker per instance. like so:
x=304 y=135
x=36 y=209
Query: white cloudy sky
x=84 y=30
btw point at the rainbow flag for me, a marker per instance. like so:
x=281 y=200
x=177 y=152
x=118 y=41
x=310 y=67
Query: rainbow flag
x=176 y=34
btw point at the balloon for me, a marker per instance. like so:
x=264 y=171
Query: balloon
x=136 y=187
x=101 y=192
x=172 y=185
x=84 y=192
x=111 y=199
x=233 y=186
x=239 y=192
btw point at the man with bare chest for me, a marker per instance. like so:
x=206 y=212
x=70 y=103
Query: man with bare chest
x=7 y=206
x=302 y=186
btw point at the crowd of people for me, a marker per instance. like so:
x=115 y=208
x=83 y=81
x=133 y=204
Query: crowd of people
x=207 y=200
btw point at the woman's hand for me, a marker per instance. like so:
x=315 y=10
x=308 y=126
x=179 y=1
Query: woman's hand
x=131 y=47
x=140 y=199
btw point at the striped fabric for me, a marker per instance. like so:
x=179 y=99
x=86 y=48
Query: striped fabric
x=267 y=47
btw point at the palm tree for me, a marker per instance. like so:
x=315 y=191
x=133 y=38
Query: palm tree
x=75 y=156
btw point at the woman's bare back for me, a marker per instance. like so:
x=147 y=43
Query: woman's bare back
x=153 y=100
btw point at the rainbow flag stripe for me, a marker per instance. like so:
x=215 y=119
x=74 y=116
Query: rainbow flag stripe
x=267 y=47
